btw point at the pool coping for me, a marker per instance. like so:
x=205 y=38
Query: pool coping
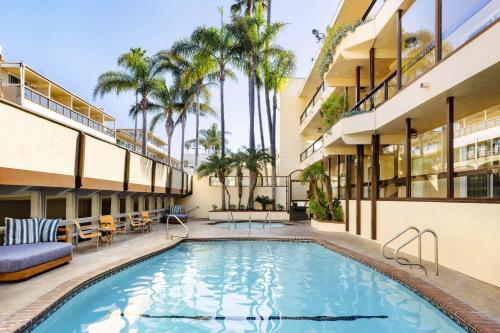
x=30 y=316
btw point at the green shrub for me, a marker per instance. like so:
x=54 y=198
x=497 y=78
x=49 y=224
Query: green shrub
x=332 y=109
x=280 y=207
x=243 y=207
x=264 y=201
x=214 y=207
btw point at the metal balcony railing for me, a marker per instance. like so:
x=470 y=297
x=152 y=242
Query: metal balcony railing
x=314 y=147
x=312 y=103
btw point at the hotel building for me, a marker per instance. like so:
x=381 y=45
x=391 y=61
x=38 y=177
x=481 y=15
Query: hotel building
x=417 y=142
x=62 y=157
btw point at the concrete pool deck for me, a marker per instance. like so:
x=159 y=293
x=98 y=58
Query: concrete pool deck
x=27 y=297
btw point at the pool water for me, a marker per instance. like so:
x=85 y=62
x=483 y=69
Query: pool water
x=246 y=225
x=247 y=286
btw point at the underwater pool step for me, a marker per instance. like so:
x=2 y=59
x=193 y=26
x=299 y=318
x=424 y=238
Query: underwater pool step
x=249 y=318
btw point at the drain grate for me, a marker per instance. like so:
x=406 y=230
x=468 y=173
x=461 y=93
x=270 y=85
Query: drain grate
x=251 y=318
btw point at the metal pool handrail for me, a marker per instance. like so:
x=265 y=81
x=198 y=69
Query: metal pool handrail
x=396 y=237
x=178 y=220
x=419 y=237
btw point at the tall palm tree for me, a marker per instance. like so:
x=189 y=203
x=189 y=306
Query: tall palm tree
x=166 y=103
x=248 y=6
x=220 y=166
x=212 y=49
x=130 y=59
x=254 y=39
x=276 y=72
x=254 y=163
x=142 y=76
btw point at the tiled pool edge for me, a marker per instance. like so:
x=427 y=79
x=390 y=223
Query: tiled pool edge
x=466 y=316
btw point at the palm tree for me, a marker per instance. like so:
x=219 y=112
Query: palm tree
x=254 y=163
x=166 y=104
x=276 y=72
x=248 y=6
x=140 y=74
x=237 y=161
x=318 y=179
x=210 y=139
x=220 y=166
x=130 y=59
x=189 y=105
x=212 y=49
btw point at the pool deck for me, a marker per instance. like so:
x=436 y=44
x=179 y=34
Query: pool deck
x=27 y=298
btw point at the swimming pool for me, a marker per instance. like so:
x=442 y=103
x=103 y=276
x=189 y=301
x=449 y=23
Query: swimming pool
x=247 y=286
x=248 y=225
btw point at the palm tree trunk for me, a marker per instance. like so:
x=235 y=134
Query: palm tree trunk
x=251 y=189
x=183 y=139
x=262 y=142
x=197 y=140
x=273 y=150
x=222 y=122
x=135 y=118
x=268 y=12
x=144 y=125
x=251 y=102
x=239 y=176
x=222 y=179
x=169 y=152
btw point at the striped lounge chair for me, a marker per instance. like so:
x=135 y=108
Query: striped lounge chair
x=178 y=211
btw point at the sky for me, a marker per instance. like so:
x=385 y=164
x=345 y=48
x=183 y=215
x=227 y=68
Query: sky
x=73 y=42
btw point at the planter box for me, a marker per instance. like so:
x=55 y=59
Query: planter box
x=244 y=215
x=328 y=226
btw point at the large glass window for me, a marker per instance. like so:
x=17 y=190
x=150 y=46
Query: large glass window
x=392 y=171
x=106 y=206
x=477 y=154
x=367 y=176
x=343 y=176
x=84 y=207
x=463 y=19
x=334 y=176
x=428 y=164
x=418 y=39
x=353 y=175
x=56 y=208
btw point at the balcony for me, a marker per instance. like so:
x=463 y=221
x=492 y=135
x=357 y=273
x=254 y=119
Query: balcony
x=39 y=99
x=311 y=119
x=312 y=150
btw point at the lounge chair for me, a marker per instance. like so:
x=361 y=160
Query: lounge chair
x=88 y=232
x=178 y=211
x=21 y=261
x=136 y=223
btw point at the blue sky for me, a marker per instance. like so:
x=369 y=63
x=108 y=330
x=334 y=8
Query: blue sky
x=72 y=42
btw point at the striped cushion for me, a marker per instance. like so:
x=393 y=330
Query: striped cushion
x=48 y=229
x=21 y=231
x=177 y=209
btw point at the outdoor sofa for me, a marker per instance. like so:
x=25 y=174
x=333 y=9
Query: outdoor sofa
x=30 y=247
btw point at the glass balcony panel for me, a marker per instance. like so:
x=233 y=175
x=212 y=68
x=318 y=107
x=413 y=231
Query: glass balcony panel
x=418 y=39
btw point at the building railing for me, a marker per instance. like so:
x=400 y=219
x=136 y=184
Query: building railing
x=381 y=93
x=262 y=181
x=490 y=123
x=373 y=9
x=314 y=147
x=39 y=99
x=312 y=103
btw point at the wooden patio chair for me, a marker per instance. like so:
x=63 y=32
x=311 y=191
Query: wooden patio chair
x=109 y=225
x=135 y=223
x=147 y=219
x=87 y=232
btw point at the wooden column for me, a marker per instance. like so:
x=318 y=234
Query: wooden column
x=399 y=48
x=375 y=183
x=359 y=186
x=347 y=190
x=439 y=30
x=80 y=160
x=408 y=157
x=358 y=83
x=126 y=176
x=372 y=69
x=450 y=189
x=338 y=176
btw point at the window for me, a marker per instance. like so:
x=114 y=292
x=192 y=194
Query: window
x=136 y=205
x=392 y=171
x=84 y=207
x=14 y=80
x=106 y=206
x=56 y=208
x=477 y=154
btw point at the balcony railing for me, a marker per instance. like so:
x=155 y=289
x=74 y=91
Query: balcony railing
x=59 y=108
x=314 y=147
x=374 y=98
x=312 y=103
x=490 y=123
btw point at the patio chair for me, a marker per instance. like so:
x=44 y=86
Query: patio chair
x=148 y=219
x=87 y=232
x=109 y=225
x=136 y=223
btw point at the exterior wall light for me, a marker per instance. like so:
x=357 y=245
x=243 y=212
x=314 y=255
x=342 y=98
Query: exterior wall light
x=424 y=85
